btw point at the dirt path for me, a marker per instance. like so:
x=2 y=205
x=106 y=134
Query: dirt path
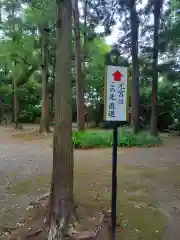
x=32 y=160
x=20 y=163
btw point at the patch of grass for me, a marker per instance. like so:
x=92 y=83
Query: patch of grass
x=104 y=138
x=31 y=136
x=38 y=185
x=136 y=209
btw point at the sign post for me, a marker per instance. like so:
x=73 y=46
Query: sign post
x=114 y=182
x=116 y=110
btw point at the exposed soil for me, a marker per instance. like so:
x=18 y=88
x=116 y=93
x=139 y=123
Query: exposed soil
x=148 y=179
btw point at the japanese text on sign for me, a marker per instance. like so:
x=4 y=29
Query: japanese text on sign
x=112 y=101
x=116 y=94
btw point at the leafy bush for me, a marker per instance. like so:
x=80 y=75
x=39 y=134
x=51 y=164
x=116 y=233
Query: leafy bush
x=30 y=113
x=110 y=124
x=102 y=138
x=166 y=107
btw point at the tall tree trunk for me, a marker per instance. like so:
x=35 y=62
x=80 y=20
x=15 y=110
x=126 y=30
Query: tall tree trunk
x=153 y=122
x=63 y=164
x=135 y=65
x=84 y=54
x=52 y=92
x=15 y=97
x=85 y=34
x=16 y=110
x=79 y=76
x=44 y=123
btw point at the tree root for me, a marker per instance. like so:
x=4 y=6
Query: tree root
x=63 y=221
x=35 y=234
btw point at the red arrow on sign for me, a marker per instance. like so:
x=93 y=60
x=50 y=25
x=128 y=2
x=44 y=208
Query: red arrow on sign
x=117 y=76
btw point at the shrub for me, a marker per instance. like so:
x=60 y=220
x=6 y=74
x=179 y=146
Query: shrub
x=110 y=124
x=104 y=138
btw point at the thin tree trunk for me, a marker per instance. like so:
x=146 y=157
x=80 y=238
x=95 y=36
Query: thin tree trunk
x=52 y=93
x=84 y=53
x=79 y=76
x=16 y=111
x=85 y=34
x=53 y=75
x=15 y=98
x=63 y=166
x=44 y=123
x=153 y=122
x=1 y=110
x=135 y=71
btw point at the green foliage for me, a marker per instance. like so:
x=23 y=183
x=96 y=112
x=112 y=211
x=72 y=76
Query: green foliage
x=30 y=98
x=39 y=12
x=167 y=108
x=94 y=72
x=20 y=58
x=102 y=138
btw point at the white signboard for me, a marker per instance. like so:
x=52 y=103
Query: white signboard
x=116 y=94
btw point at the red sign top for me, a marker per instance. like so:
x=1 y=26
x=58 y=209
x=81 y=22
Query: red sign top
x=117 y=76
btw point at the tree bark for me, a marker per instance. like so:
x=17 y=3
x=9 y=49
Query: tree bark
x=79 y=74
x=15 y=97
x=52 y=92
x=135 y=65
x=84 y=53
x=44 y=123
x=16 y=111
x=85 y=34
x=153 y=122
x=63 y=165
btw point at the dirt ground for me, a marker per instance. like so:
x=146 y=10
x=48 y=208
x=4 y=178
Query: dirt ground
x=148 y=182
